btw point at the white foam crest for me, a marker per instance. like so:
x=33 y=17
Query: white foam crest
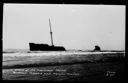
x=65 y=53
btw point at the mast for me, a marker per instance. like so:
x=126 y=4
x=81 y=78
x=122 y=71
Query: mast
x=51 y=32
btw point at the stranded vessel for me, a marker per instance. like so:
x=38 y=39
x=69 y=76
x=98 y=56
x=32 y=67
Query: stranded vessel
x=46 y=47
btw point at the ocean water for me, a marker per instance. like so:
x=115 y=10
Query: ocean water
x=44 y=57
x=17 y=52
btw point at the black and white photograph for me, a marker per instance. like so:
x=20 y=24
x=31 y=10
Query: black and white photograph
x=63 y=42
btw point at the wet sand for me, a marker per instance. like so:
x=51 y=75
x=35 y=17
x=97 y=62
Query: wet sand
x=101 y=67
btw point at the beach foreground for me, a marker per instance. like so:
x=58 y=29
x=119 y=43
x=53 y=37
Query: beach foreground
x=80 y=66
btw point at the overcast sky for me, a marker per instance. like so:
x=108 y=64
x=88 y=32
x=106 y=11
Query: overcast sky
x=74 y=26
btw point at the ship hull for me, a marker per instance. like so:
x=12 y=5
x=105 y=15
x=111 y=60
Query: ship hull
x=45 y=47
